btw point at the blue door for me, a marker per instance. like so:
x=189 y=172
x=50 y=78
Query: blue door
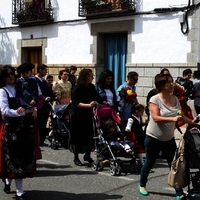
x=115 y=56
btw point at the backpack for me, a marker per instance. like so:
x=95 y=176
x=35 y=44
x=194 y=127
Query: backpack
x=188 y=86
x=179 y=173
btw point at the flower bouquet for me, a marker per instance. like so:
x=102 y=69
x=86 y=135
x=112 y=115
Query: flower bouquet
x=127 y=95
x=179 y=91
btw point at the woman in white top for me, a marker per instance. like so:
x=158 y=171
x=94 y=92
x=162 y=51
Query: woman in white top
x=17 y=133
x=164 y=108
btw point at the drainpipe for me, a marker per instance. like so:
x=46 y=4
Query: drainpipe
x=198 y=56
x=198 y=61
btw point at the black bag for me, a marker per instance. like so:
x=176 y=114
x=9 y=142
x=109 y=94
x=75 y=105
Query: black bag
x=188 y=86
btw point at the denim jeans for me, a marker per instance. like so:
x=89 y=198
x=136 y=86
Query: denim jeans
x=152 y=148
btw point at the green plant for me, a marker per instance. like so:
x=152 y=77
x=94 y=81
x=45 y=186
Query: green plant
x=123 y=1
x=89 y=3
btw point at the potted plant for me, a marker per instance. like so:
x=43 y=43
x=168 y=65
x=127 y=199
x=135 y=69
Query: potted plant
x=89 y=5
x=124 y=4
x=21 y=16
x=104 y=6
x=128 y=4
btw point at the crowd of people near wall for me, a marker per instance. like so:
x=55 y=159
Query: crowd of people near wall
x=25 y=105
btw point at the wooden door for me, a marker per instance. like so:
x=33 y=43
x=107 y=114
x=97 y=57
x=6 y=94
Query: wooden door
x=34 y=55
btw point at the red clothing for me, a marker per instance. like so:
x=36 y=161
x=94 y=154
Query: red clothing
x=139 y=148
x=186 y=110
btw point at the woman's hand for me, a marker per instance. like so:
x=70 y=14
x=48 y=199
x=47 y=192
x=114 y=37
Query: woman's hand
x=20 y=110
x=105 y=103
x=93 y=103
x=34 y=113
x=177 y=118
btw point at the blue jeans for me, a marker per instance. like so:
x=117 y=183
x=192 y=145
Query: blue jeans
x=152 y=148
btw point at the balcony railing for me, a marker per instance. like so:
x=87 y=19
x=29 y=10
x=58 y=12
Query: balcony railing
x=106 y=8
x=32 y=12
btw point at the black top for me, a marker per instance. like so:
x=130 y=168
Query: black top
x=26 y=91
x=81 y=119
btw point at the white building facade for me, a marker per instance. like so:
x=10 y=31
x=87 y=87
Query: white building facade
x=155 y=39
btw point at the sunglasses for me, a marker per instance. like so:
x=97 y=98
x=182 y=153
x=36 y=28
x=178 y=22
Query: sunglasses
x=9 y=74
x=135 y=79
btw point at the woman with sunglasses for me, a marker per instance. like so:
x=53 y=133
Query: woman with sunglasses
x=17 y=144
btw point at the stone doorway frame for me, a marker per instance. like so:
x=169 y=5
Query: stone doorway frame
x=27 y=43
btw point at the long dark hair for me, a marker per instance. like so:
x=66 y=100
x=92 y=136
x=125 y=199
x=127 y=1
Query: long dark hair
x=83 y=75
x=3 y=74
x=102 y=79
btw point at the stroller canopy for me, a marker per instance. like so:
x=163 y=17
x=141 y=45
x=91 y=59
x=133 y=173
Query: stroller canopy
x=61 y=110
x=106 y=111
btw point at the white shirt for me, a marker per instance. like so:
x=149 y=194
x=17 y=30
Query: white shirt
x=4 y=106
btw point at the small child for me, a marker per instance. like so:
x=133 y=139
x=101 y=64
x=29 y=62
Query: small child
x=135 y=128
x=118 y=138
x=27 y=87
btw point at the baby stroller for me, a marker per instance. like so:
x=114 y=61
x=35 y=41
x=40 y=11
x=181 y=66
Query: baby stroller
x=59 y=124
x=105 y=148
x=192 y=156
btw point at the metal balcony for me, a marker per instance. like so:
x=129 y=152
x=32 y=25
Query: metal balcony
x=32 y=12
x=106 y=8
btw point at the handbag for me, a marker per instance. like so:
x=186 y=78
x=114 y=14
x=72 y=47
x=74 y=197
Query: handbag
x=179 y=175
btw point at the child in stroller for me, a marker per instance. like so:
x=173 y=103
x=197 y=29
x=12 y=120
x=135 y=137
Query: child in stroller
x=59 y=123
x=110 y=142
x=117 y=139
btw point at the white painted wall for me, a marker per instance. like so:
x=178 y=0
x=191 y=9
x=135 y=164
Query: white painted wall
x=158 y=38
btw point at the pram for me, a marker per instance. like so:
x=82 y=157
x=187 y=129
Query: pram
x=192 y=156
x=59 y=126
x=105 y=149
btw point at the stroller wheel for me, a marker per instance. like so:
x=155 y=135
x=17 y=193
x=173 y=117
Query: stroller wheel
x=138 y=166
x=54 y=146
x=118 y=170
x=95 y=165
x=132 y=168
x=115 y=168
x=101 y=166
x=113 y=171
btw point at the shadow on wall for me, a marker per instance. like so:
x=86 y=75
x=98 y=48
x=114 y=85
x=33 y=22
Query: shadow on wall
x=7 y=50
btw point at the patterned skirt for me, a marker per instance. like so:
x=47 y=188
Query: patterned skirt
x=17 y=147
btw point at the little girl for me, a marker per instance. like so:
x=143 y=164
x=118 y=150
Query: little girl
x=135 y=128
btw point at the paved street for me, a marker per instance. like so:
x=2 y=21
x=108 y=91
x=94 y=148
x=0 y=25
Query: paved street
x=57 y=178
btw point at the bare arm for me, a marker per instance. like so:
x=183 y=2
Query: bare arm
x=155 y=113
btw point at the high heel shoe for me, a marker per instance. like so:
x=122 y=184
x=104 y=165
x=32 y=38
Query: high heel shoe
x=88 y=159
x=78 y=162
x=6 y=189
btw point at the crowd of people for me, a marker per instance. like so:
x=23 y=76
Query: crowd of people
x=25 y=109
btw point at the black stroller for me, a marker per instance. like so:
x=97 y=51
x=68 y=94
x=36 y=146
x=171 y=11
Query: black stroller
x=59 y=135
x=106 y=151
x=192 y=155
